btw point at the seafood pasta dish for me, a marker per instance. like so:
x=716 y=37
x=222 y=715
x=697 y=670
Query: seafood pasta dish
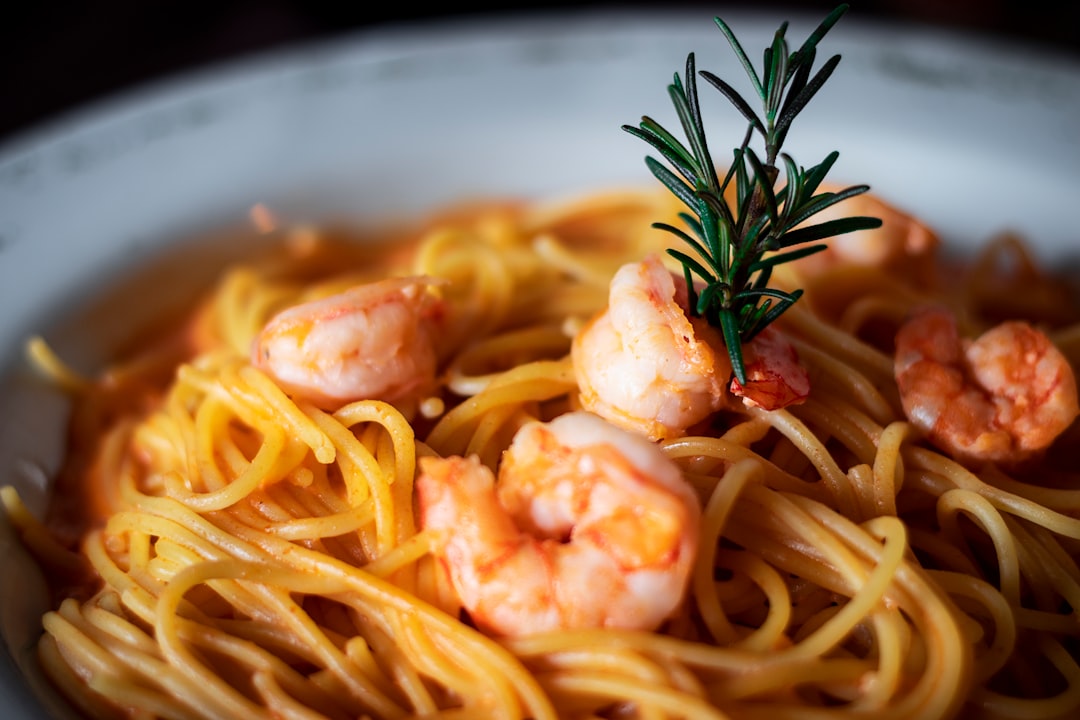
x=493 y=528
x=545 y=459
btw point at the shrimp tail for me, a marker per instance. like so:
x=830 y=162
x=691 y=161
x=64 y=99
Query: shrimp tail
x=775 y=378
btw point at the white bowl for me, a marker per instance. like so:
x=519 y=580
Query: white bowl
x=972 y=135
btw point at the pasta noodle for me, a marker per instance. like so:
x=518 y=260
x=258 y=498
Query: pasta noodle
x=222 y=548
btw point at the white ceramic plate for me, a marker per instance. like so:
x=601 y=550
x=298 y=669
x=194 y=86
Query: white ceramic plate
x=973 y=136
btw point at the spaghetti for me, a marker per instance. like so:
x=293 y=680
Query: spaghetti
x=241 y=553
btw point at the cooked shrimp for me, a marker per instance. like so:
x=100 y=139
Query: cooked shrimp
x=1002 y=397
x=643 y=363
x=589 y=526
x=373 y=341
x=902 y=242
x=774 y=376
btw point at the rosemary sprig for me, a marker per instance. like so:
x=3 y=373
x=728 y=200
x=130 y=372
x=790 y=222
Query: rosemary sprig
x=737 y=248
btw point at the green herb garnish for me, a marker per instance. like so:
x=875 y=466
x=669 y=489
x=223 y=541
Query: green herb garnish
x=732 y=243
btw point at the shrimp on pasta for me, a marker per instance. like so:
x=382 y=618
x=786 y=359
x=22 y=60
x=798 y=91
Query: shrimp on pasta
x=1002 y=397
x=902 y=244
x=774 y=376
x=587 y=526
x=646 y=364
x=371 y=342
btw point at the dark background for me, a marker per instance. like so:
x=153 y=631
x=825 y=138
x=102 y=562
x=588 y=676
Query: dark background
x=58 y=55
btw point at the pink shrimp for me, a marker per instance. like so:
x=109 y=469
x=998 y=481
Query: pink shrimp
x=645 y=364
x=374 y=341
x=589 y=526
x=1003 y=397
x=774 y=376
x=902 y=242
